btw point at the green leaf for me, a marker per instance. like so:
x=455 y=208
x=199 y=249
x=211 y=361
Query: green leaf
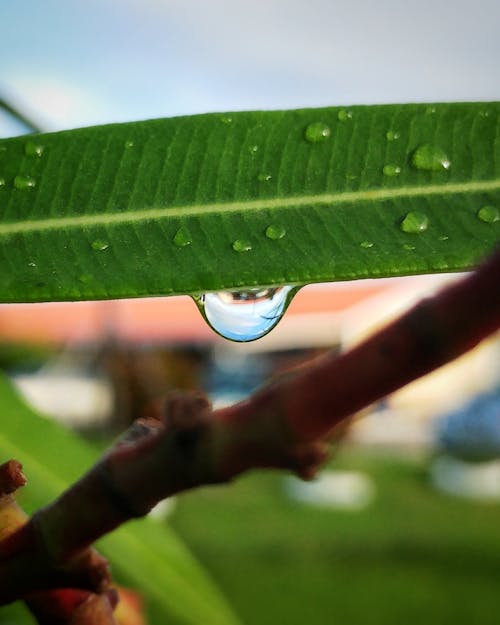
x=183 y=205
x=144 y=554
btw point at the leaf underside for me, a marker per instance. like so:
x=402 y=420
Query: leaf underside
x=144 y=554
x=158 y=207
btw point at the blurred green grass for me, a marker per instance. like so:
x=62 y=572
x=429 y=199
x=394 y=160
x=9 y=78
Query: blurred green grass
x=413 y=556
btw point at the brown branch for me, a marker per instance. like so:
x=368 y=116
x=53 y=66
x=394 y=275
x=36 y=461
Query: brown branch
x=55 y=607
x=284 y=425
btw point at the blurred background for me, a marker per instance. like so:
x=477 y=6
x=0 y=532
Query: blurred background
x=404 y=523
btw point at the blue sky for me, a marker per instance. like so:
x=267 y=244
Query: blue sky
x=78 y=62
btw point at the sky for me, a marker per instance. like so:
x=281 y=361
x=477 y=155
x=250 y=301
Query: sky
x=70 y=63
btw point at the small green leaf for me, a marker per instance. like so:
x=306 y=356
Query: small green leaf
x=159 y=207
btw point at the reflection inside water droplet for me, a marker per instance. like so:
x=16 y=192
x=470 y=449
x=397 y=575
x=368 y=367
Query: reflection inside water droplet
x=245 y=315
x=182 y=237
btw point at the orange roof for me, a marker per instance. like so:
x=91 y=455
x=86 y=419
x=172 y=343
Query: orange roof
x=173 y=319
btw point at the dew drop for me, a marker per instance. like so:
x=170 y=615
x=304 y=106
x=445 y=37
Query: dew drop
x=245 y=315
x=182 y=237
x=226 y=119
x=430 y=110
x=317 y=132
x=392 y=135
x=409 y=247
x=264 y=177
x=344 y=116
x=2 y=182
x=32 y=264
x=99 y=245
x=33 y=149
x=488 y=214
x=430 y=158
x=275 y=232
x=129 y=144
x=391 y=170
x=241 y=245
x=414 y=222
x=443 y=237
x=366 y=244
x=24 y=182
x=253 y=149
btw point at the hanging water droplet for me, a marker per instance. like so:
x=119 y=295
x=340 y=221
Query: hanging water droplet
x=241 y=245
x=366 y=244
x=226 y=119
x=317 y=132
x=31 y=264
x=99 y=245
x=415 y=222
x=253 y=149
x=392 y=135
x=430 y=110
x=391 y=170
x=24 y=182
x=264 y=177
x=409 y=247
x=33 y=149
x=129 y=144
x=182 y=237
x=275 y=232
x=430 y=158
x=488 y=214
x=245 y=315
x=443 y=237
x=344 y=115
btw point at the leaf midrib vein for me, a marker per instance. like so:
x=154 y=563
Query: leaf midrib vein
x=147 y=214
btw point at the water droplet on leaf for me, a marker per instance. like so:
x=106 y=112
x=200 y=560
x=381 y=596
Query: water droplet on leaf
x=182 y=237
x=430 y=158
x=241 y=245
x=32 y=264
x=344 y=115
x=2 y=182
x=414 y=222
x=99 y=245
x=264 y=177
x=24 y=182
x=226 y=119
x=317 y=132
x=430 y=110
x=392 y=135
x=129 y=144
x=275 y=232
x=245 y=315
x=391 y=170
x=409 y=247
x=253 y=149
x=366 y=244
x=33 y=149
x=443 y=237
x=489 y=214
